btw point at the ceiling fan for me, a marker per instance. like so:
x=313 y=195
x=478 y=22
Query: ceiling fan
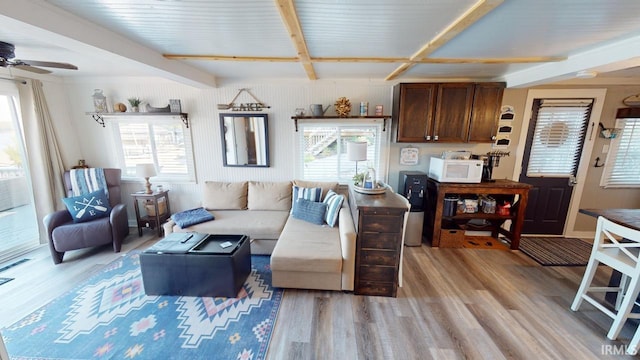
x=7 y=60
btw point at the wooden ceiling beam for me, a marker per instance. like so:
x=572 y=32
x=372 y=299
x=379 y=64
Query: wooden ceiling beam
x=473 y=14
x=230 y=58
x=517 y=60
x=290 y=18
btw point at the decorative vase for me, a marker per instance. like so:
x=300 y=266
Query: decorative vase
x=134 y=109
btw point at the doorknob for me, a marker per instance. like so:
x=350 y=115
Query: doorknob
x=572 y=180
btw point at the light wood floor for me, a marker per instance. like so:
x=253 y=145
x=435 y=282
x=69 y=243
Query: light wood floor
x=455 y=303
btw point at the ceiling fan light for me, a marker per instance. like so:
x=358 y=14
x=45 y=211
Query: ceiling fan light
x=586 y=74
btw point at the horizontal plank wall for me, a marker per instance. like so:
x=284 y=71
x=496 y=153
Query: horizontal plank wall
x=283 y=98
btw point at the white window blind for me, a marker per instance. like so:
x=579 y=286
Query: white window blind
x=558 y=137
x=622 y=166
x=323 y=150
x=164 y=142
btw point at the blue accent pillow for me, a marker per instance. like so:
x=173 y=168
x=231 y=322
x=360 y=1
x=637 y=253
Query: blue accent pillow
x=311 y=194
x=334 y=203
x=89 y=206
x=310 y=211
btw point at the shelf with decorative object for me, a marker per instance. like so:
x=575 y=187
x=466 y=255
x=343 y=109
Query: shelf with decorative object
x=383 y=117
x=99 y=117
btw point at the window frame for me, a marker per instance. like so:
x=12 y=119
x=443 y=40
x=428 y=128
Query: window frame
x=381 y=146
x=614 y=148
x=151 y=122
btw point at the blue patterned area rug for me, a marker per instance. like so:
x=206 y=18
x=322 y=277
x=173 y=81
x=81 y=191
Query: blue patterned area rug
x=110 y=317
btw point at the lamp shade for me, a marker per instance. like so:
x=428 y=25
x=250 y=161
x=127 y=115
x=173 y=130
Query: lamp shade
x=145 y=170
x=357 y=150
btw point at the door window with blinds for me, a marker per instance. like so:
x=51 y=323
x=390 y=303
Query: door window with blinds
x=558 y=137
x=323 y=150
x=622 y=166
x=163 y=142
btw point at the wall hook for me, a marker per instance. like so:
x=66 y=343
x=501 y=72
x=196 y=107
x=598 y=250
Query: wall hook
x=597 y=163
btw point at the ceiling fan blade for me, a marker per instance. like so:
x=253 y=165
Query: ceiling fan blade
x=32 y=69
x=48 y=64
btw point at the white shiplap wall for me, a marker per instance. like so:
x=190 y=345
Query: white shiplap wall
x=283 y=97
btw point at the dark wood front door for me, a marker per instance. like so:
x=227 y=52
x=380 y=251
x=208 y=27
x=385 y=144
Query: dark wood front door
x=555 y=139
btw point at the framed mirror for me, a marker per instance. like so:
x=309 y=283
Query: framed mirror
x=245 y=139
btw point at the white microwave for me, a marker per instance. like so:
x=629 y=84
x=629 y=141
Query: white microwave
x=459 y=171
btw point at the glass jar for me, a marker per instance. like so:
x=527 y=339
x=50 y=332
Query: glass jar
x=99 y=101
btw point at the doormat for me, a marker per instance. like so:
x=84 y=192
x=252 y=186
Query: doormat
x=5 y=280
x=556 y=251
x=109 y=316
x=13 y=264
x=484 y=242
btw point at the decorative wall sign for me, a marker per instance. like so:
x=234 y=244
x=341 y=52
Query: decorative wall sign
x=507 y=113
x=505 y=129
x=409 y=156
x=502 y=142
x=256 y=106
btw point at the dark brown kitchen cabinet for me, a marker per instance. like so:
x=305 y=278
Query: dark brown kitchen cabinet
x=413 y=106
x=485 y=113
x=452 y=112
x=446 y=112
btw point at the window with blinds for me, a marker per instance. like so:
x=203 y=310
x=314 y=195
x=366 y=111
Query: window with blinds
x=323 y=150
x=558 y=137
x=622 y=166
x=164 y=142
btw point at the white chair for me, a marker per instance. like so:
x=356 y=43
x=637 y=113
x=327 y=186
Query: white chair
x=622 y=256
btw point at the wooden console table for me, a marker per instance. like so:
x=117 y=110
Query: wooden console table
x=379 y=221
x=437 y=191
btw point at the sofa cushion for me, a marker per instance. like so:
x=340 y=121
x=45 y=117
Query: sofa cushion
x=334 y=203
x=224 y=195
x=311 y=194
x=324 y=185
x=87 y=207
x=308 y=248
x=269 y=195
x=309 y=211
x=255 y=224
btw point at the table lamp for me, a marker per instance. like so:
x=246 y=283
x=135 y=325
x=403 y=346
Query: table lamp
x=357 y=151
x=146 y=171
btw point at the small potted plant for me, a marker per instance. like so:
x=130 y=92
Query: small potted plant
x=358 y=179
x=135 y=103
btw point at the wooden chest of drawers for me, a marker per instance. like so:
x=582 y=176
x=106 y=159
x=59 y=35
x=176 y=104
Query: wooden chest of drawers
x=379 y=221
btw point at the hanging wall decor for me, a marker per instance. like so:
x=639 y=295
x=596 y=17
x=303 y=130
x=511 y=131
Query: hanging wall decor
x=250 y=106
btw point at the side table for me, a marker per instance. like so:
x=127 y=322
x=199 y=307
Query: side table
x=152 y=219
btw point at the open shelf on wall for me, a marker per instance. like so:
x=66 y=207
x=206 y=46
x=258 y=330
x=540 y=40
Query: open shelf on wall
x=99 y=117
x=383 y=117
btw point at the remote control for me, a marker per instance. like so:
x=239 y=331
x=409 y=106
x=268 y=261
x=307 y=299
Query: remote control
x=225 y=244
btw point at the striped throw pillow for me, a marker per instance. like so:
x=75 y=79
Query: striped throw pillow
x=311 y=194
x=334 y=203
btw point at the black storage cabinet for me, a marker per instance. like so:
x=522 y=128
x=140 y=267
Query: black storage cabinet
x=196 y=265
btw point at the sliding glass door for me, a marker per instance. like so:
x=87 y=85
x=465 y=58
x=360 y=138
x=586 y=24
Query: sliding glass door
x=18 y=222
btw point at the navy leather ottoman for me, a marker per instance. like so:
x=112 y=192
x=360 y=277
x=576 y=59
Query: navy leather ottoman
x=193 y=264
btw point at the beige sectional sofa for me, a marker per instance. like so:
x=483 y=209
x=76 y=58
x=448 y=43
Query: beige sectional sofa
x=303 y=255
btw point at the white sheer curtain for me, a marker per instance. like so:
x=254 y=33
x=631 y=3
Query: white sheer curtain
x=43 y=153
